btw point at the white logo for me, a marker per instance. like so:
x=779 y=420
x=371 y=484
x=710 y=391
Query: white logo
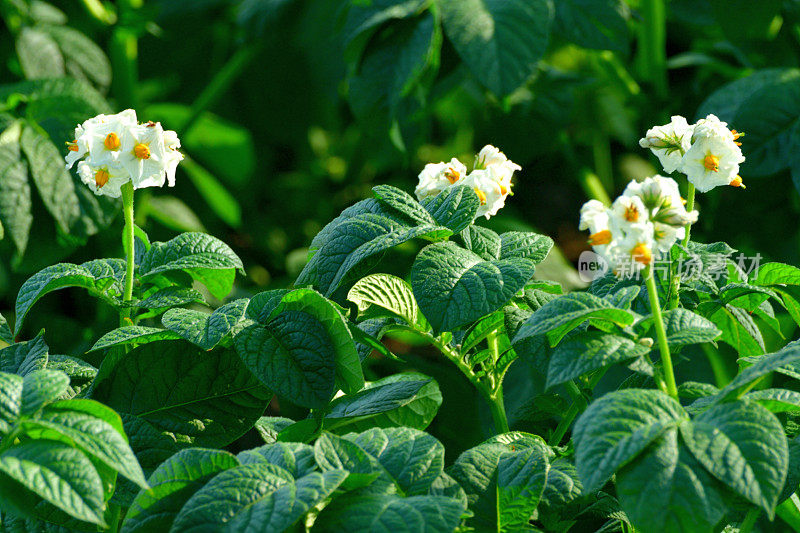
x=591 y=266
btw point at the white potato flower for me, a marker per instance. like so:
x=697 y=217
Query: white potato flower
x=595 y=218
x=712 y=160
x=661 y=196
x=491 y=157
x=436 y=177
x=116 y=149
x=104 y=180
x=634 y=249
x=490 y=186
x=669 y=142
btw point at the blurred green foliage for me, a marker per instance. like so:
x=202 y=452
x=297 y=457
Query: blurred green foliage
x=291 y=110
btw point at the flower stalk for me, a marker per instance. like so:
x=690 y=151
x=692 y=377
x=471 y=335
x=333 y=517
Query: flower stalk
x=127 y=239
x=663 y=346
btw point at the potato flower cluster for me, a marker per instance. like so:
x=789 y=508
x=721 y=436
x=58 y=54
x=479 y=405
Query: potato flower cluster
x=490 y=179
x=707 y=152
x=645 y=221
x=112 y=150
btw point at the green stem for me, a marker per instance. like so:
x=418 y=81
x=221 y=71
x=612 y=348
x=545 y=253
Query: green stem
x=653 y=44
x=675 y=281
x=718 y=367
x=127 y=239
x=498 y=409
x=601 y=152
x=220 y=84
x=789 y=511
x=663 y=346
x=578 y=403
x=749 y=520
x=593 y=187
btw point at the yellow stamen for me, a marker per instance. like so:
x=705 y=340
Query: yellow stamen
x=452 y=175
x=72 y=146
x=481 y=195
x=141 y=151
x=711 y=162
x=600 y=238
x=101 y=178
x=737 y=182
x=631 y=213
x=111 y=141
x=503 y=189
x=641 y=254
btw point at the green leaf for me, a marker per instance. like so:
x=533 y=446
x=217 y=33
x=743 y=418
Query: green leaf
x=393 y=65
x=404 y=203
x=363 y=18
x=10 y=401
x=771 y=125
x=81 y=374
x=55 y=472
x=198 y=397
x=726 y=101
x=222 y=202
x=168 y=298
x=741 y=444
x=292 y=356
x=360 y=232
x=500 y=41
x=91 y=276
x=525 y=244
x=54 y=183
x=413 y=459
x=504 y=478
x=455 y=208
x=563 y=485
x=171 y=212
x=590 y=350
x=389 y=513
x=202 y=329
x=5 y=333
x=455 y=287
x=132 y=335
x=615 y=429
x=482 y=329
x=57 y=105
x=38 y=54
x=294 y=457
x=349 y=375
x=683 y=327
x=390 y=293
x=481 y=241
x=597 y=24
x=83 y=58
x=332 y=452
x=666 y=490
x=76 y=421
x=771 y=274
x=776 y=400
x=406 y=399
x=206 y=258
x=40 y=388
x=23 y=358
x=739 y=330
x=171 y=485
x=761 y=366
x=560 y=316
x=15 y=191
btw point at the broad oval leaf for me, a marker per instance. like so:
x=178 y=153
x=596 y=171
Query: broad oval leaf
x=742 y=444
x=618 y=427
x=454 y=286
x=203 y=329
x=455 y=207
x=560 y=316
x=57 y=473
x=587 y=351
x=171 y=485
x=390 y=293
x=194 y=396
x=499 y=40
x=207 y=259
x=389 y=513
